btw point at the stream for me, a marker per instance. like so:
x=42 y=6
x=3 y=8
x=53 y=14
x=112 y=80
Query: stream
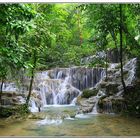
x=88 y=125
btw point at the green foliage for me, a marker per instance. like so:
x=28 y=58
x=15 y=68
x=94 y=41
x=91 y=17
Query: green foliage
x=98 y=62
x=6 y=112
x=20 y=110
x=15 y=22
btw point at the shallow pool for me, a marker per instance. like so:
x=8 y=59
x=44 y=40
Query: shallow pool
x=89 y=125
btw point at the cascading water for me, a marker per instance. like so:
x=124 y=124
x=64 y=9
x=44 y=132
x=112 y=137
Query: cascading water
x=130 y=71
x=9 y=87
x=63 y=85
x=99 y=95
x=131 y=68
x=60 y=86
x=57 y=90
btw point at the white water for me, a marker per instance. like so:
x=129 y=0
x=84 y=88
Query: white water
x=62 y=86
x=58 y=89
x=130 y=66
x=33 y=107
x=99 y=95
x=9 y=87
x=82 y=116
x=47 y=121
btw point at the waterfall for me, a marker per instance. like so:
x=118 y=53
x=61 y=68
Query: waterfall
x=59 y=86
x=94 y=110
x=130 y=66
x=130 y=71
x=9 y=87
x=33 y=107
x=55 y=88
x=63 y=85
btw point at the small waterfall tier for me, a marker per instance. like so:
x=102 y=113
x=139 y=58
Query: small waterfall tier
x=63 y=85
x=79 y=77
x=58 y=86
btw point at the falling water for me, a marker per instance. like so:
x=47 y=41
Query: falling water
x=9 y=87
x=97 y=97
x=33 y=107
x=130 y=66
x=62 y=86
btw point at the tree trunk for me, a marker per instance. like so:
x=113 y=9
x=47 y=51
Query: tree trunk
x=117 y=49
x=106 y=66
x=2 y=81
x=121 y=50
x=80 y=34
x=32 y=76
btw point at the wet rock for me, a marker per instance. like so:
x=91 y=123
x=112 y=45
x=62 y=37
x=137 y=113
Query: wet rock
x=111 y=104
x=113 y=55
x=103 y=84
x=86 y=104
x=111 y=88
x=87 y=109
x=12 y=98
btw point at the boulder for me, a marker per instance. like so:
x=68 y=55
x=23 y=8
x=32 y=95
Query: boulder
x=111 y=104
x=86 y=104
x=12 y=98
x=89 y=93
x=111 y=88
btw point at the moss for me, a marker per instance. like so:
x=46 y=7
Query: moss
x=88 y=93
x=66 y=111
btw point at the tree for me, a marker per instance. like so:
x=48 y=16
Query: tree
x=121 y=49
x=15 y=22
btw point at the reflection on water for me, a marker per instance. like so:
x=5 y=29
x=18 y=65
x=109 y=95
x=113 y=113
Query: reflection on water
x=89 y=125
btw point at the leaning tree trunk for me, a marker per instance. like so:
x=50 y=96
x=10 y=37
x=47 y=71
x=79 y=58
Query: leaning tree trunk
x=121 y=51
x=106 y=66
x=2 y=81
x=32 y=76
x=79 y=29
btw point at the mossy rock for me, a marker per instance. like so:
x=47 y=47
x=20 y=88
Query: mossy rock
x=89 y=92
x=104 y=96
x=112 y=88
x=116 y=105
x=78 y=100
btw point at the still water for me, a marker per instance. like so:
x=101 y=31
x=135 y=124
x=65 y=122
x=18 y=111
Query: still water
x=89 y=125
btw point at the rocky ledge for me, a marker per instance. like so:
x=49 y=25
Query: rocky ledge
x=108 y=94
